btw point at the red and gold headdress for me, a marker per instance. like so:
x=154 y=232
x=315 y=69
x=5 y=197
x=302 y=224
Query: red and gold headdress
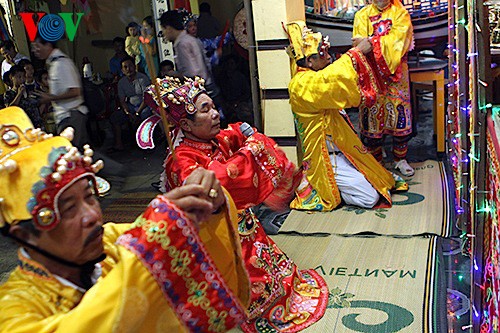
x=178 y=96
x=35 y=168
x=304 y=42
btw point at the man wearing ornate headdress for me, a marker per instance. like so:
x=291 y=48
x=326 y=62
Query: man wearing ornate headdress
x=388 y=25
x=253 y=170
x=336 y=164
x=167 y=272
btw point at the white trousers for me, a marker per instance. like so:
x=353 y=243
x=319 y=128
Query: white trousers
x=353 y=186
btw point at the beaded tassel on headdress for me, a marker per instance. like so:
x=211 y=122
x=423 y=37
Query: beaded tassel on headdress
x=161 y=107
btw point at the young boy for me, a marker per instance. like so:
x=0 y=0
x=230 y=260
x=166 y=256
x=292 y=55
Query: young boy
x=30 y=83
x=166 y=69
x=42 y=84
x=17 y=95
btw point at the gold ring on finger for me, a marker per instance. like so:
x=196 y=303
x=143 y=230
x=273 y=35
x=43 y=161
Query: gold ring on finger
x=213 y=193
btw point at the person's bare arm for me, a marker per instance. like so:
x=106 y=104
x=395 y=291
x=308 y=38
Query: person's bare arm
x=70 y=93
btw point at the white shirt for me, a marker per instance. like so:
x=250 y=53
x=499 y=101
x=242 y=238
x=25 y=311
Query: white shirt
x=63 y=75
x=6 y=65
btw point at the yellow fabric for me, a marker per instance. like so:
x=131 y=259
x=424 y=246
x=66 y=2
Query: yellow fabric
x=30 y=154
x=399 y=40
x=125 y=299
x=316 y=97
x=391 y=115
x=222 y=241
x=29 y=162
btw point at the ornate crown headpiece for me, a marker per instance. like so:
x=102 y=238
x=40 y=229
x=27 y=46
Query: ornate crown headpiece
x=35 y=168
x=304 y=42
x=187 y=17
x=178 y=96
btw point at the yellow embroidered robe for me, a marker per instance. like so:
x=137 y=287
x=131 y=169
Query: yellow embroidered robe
x=316 y=98
x=391 y=33
x=126 y=298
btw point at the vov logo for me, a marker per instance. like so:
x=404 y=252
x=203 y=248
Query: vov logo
x=51 y=27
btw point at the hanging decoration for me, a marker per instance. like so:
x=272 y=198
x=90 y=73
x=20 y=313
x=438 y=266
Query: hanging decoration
x=466 y=111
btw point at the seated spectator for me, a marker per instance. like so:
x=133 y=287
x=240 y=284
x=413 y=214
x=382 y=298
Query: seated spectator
x=17 y=95
x=131 y=89
x=5 y=86
x=46 y=110
x=6 y=81
x=167 y=69
x=115 y=66
x=42 y=80
x=11 y=56
x=30 y=83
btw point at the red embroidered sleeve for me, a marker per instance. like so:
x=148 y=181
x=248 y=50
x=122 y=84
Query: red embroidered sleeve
x=250 y=174
x=370 y=81
x=168 y=245
x=379 y=57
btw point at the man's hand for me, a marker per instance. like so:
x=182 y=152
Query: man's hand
x=365 y=46
x=356 y=41
x=43 y=97
x=10 y=60
x=211 y=185
x=21 y=90
x=196 y=197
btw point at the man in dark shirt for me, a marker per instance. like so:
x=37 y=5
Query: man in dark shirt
x=208 y=26
x=115 y=66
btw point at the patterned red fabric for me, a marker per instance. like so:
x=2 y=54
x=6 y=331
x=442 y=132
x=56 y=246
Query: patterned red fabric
x=380 y=62
x=370 y=82
x=168 y=245
x=253 y=170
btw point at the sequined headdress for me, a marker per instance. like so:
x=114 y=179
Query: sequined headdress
x=35 y=168
x=187 y=17
x=178 y=96
x=304 y=42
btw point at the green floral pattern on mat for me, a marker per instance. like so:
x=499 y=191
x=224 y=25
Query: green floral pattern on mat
x=378 y=212
x=337 y=299
x=411 y=199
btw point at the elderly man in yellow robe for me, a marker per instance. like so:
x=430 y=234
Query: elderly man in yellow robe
x=337 y=166
x=387 y=23
x=166 y=272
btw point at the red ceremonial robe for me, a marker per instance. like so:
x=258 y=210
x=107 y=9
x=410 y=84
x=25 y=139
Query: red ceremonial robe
x=255 y=170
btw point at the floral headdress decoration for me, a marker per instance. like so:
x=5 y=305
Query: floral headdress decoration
x=187 y=17
x=177 y=95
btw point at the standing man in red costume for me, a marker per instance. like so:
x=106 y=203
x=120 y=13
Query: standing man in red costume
x=253 y=170
x=387 y=23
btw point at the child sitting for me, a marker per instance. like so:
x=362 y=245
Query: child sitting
x=46 y=111
x=17 y=95
x=30 y=83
